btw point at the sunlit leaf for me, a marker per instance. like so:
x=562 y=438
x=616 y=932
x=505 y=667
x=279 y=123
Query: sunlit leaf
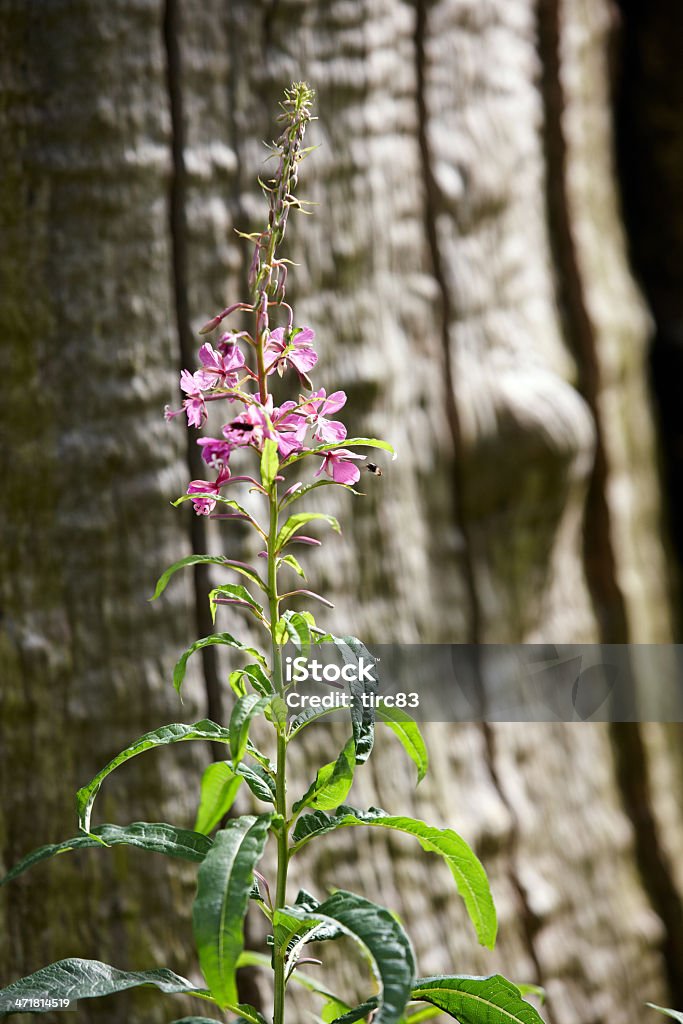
x=220 y=785
x=408 y=732
x=492 y=1000
x=228 y=563
x=465 y=867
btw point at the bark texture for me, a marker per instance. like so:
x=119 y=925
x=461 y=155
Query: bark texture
x=466 y=275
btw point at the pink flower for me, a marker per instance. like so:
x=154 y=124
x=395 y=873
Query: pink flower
x=214 y=451
x=295 y=350
x=194 y=405
x=289 y=428
x=251 y=426
x=317 y=408
x=338 y=465
x=219 y=367
x=204 y=506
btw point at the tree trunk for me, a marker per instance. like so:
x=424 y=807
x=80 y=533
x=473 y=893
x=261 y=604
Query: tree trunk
x=466 y=275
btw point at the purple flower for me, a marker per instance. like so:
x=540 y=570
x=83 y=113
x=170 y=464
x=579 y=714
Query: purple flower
x=219 y=367
x=204 y=506
x=317 y=408
x=289 y=429
x=250 y=427
x=215 y=452
x=194 y=405
x=338 y=465
x=294 y=350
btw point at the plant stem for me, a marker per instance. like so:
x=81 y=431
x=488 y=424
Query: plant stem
x=281 y=775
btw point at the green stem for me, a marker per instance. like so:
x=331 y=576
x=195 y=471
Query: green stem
x=281 y=776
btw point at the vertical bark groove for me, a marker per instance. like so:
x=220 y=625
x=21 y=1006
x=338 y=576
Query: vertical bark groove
x=598 y=550
x=430 y=219
x=179 y=270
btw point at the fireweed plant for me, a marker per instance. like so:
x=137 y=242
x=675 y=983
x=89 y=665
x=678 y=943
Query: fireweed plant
x=239 y=371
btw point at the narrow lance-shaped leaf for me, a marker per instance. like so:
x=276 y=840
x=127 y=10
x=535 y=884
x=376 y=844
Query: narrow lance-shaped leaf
x=255 y=776
x=234 y=593
x=224 y=884
x=676 y=1014
x=222 y=639
x=228 y=563
x=220 y=785
x=156 y=837
x=379 y=934
x=256 y=676
x=294 y=564
x=248 y=1015
x=245 y=709
x=295 y=627
x=269 y=463
x=223 y=501
x=331 y=781
x=294 y=523
x=362 y=688
x=75 y=979
x=174 y=733
x=350 y=1016
x=349 y=442
x=408 y=732
x=294 y=495
x=465 y=867
x=492 y=1000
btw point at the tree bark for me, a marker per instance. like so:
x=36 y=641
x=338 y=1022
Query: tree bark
x=465 y=272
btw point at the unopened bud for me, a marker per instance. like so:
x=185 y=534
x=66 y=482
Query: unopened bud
x=210 y=325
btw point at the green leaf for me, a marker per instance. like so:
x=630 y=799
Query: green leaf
x=305 y=488
x=407 y=731
x=465 y=867
x=388 y=947
x=174 y=733
x=333 y=1009
x=269 y=463
x=676 y=1014
x=85 y=979
x=354 y=652
x=258 y=780
x=492 y=1000
x=527 y=989
x=350 y=442
x=216 y=638
x=204 y=1020
x=220 y=785
x=294 y=523
x=235 y=505
x=332 y=782
x=224 y=884
x=250 y=1015
x=305 y=717
x=258 y=679
x=240 y=720
x=358 y=1013
x=236 y=592
x=296 y=627
x=293 y=563
x=229 y=563
x=157 y=837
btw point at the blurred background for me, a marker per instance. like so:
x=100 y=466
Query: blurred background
x=494 y=272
